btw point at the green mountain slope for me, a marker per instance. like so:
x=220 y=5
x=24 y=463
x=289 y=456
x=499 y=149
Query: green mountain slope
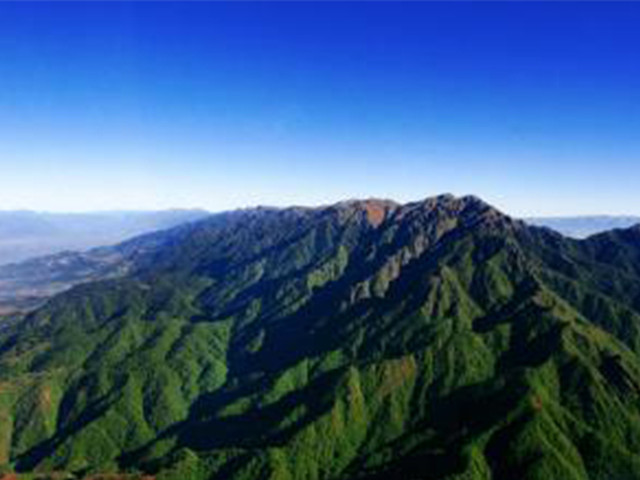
x=433 y=340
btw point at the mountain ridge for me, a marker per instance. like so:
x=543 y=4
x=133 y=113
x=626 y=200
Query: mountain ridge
x=439 y=339
x=25 y=285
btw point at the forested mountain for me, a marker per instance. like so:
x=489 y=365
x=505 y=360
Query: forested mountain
x=365 y=340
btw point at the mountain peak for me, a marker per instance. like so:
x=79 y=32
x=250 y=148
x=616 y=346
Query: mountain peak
x=466 y=210
x=452 y=203
x=375 y=210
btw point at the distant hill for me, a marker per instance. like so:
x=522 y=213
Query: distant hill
x=584 y=226
x=26 y=234
x=438 y=339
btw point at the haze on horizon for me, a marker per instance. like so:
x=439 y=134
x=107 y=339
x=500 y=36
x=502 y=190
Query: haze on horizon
x=535 y=107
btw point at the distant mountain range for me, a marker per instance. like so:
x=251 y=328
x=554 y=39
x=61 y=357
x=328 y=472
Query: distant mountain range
x=26 y=234
x=438 y=339
x=584 y=226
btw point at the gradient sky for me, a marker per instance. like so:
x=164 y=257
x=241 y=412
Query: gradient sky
x=533 y=106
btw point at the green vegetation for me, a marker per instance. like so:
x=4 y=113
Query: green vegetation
x=434 y=340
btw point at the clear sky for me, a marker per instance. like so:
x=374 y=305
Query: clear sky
x=533 y=106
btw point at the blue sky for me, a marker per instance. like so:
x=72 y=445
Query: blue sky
x=533 y=106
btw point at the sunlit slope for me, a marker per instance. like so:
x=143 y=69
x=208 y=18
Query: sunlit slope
x=438 y=339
